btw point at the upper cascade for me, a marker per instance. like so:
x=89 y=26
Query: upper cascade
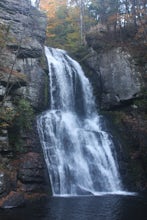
x=35 y=3
x=79 y=154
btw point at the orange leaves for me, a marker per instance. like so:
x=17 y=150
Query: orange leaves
x=51 y=6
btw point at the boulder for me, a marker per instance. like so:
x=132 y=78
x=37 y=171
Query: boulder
x=119 y=77
x=13 y=200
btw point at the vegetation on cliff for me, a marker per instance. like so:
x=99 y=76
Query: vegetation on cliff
x=22 y=89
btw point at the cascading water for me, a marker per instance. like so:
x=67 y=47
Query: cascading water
x=35 y=3
x=79 y=154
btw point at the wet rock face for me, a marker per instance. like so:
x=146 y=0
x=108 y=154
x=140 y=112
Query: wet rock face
x=31 y=168
x=31 y=172
x=119 y=77
x=130 y=127
x=25 y=175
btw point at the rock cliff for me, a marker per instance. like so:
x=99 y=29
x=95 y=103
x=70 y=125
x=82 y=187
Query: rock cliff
x=119 y=78
x=22 y=95
x=24 y=29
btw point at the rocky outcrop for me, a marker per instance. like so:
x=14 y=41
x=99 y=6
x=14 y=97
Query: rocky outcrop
x=31 y=172
x=23 y=48
x=13 y=200
x=119 y=78
x=23 y=89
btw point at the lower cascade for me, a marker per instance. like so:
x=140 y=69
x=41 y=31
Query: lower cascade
x=79 y=154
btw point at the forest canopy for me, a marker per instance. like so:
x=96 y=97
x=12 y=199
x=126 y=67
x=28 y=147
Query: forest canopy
x=70 y=21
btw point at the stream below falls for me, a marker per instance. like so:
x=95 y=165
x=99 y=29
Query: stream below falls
x=106 y=207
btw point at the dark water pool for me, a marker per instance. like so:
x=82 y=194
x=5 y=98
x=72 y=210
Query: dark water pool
x=82 y=208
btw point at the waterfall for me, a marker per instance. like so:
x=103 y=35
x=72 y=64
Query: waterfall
x=35 y=3
x=79 y=154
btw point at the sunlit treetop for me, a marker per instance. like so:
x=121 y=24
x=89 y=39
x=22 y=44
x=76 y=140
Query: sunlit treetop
x=51 y=6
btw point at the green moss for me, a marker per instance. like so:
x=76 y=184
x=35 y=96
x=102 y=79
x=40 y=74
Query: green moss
x=25 y=114
x=22 y=123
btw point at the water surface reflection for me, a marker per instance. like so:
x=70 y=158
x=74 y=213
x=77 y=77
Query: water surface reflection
x=82 y=208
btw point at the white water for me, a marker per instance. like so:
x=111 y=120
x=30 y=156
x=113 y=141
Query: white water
x=79 y=154
x=34 y=3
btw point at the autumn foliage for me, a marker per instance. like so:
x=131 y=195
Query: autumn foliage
x=70 y=21
x=63 y=24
